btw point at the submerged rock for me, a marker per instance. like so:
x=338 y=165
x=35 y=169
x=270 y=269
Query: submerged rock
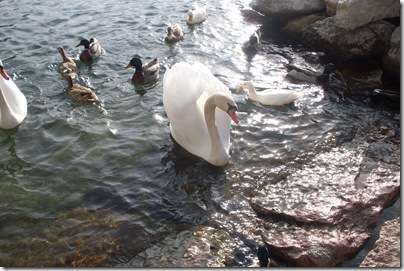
x=386 y=252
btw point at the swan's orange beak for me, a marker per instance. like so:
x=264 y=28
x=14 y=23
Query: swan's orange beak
x=239 y=89
x=233 y=115
x=190 y=18
x=4 y=74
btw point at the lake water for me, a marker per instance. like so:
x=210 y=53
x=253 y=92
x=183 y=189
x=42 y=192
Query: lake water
x=102 y=183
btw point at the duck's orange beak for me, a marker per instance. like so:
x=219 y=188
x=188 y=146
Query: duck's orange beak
x=190 y=18
x=128 y=66
x=239 y=89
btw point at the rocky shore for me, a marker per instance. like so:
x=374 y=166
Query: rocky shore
x=357 y=35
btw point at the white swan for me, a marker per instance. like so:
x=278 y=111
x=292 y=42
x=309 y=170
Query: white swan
x=198 y=106
x=13 y=104
x=197 y=15
x=268 y=97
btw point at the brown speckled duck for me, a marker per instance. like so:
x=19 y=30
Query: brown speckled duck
x=68 y=66
x=174 y=34
x=92 y=49
x=145 y=73
x=80 y=93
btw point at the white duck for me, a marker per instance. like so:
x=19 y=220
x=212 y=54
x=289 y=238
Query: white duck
x=13 y=104
x=268 y=97
x=197 y=15
x=198 y=106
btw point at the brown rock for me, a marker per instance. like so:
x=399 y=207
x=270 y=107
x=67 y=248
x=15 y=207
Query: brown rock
x=325 y=215
x=386 y=251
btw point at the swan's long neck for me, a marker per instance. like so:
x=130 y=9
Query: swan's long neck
x=217 y=149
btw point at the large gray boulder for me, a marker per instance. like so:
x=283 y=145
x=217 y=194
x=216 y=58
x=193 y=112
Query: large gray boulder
x=351 y=14
x=363 y=42
x=283 y=10
x=391 y=59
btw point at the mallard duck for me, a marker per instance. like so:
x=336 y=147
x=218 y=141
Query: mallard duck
x=199 y=107
x=304 y=74
x=197 y=15
x=253 y=44
x=13 y=104
x=68 y=65
x=145 y=73
x=174 y=34
x=268 y=97
x=92 y=49
x=80 y=93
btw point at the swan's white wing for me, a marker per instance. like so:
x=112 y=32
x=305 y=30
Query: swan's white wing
x=181 y=91
x=185 y=90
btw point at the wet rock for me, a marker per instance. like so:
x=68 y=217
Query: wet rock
x=386 y=251
x=296 y=26
x=287 y=9
x=331 y=8
x=361 y=77
x=367 y=41
x=392 y=57
x=325 y=215
x=352 y=14
x=209 y=247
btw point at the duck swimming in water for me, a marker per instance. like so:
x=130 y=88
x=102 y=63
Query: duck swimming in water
x=174 y=34
x=80 y=93
x=68 y=66
x=304 y=74
x=92 y=49
x=253 y=44
x=145 y=73
x=197 y=15
x=269 y=97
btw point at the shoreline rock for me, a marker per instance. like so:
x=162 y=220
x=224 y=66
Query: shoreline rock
x=346 y=31
x=386 y=251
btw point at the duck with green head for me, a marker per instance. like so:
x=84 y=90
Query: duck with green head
x=144 y=73
x=304 y=74
x=92 y=49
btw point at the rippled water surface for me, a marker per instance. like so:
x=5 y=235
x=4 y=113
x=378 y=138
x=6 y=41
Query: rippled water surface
x=104 y=180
